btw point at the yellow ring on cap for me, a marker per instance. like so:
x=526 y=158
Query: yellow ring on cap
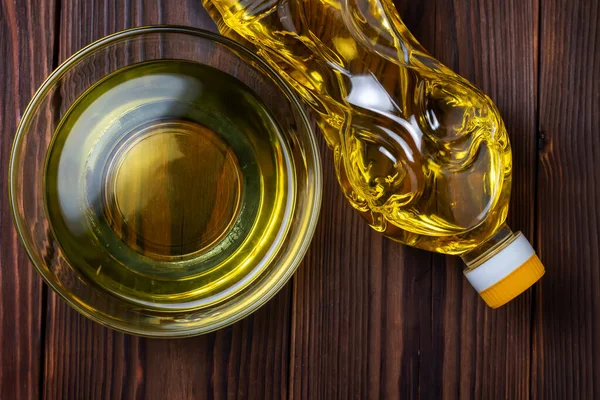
x=514 y=284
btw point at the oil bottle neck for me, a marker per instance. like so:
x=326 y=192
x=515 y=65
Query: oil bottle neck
x=489 y=248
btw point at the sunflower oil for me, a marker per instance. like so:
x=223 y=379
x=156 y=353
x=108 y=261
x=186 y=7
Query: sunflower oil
x=419 y=151
x=166 y=183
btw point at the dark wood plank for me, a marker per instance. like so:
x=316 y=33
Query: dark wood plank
x=373 y=318
x=26 y=45
x=361 y=302
x=479 y=352
x=247 y=360
x=567 y=320
x=87 y=361
x=359 y=307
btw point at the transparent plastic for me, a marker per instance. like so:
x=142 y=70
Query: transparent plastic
x=419 y=151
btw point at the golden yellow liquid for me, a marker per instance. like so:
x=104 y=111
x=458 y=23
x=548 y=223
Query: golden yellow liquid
x=167 y=184
x=421 y=153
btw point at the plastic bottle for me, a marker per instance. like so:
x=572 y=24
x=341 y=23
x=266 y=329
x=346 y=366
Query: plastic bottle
x=419 y=151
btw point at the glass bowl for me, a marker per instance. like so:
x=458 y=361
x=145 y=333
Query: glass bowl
x=65 y=271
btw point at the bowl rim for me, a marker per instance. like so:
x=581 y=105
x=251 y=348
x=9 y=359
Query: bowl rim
x=315 y=183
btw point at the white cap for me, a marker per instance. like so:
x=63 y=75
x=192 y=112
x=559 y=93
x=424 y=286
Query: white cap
x=508 y=273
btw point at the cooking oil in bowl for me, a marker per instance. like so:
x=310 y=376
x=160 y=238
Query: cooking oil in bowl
x=169 y=184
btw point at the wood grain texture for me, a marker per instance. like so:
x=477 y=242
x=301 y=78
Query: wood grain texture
x=26 y=45
x=361 y=302
x=86 y=361
x=567 y=325
x=358 y=303
x=247 y=360
x=364 y=317
x=485 y=353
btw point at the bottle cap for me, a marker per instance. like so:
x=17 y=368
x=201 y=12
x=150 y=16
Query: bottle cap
x=508 y=273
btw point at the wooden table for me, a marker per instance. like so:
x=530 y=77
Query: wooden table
x=364 y=317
